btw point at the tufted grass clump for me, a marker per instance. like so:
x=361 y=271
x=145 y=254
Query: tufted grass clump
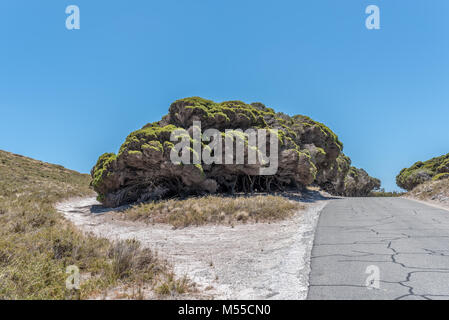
x=214 y=210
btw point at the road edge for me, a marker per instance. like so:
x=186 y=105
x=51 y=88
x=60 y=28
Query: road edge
x=309 y=244
x=431 y=204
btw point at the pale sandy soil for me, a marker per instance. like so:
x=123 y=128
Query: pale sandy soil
x=434 y=193
x=248 y=261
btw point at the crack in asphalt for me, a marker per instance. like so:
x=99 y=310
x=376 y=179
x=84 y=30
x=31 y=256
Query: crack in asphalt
x=395 y=225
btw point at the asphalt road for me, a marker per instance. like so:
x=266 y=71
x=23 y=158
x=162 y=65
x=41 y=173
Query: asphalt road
x=399 y=247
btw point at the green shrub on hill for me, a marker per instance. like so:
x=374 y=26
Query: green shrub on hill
x=420 y=172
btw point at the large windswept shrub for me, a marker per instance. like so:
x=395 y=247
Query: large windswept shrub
x=308 y=152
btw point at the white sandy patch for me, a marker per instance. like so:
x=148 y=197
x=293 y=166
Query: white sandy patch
x=249 y=261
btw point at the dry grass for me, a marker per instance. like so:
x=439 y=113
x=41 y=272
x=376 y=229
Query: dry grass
x=214 y=210
x=435 y=191
x=37 y=244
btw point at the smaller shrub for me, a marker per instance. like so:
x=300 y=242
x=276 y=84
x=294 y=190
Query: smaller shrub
x=123 y=254
x=172 y=286
x=421 y=172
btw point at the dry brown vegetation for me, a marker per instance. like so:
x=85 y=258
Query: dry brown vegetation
x=37 y=244
x=433 y=191
x=214 y=210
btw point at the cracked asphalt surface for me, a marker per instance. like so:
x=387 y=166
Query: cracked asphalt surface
x=408 y=241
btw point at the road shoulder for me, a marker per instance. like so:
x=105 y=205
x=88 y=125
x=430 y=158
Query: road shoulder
x=247 y=261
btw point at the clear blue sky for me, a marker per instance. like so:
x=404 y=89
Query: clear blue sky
x=68 y=96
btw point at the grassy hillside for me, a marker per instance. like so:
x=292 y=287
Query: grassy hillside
x=37 y=244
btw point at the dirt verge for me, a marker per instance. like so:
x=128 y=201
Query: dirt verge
x=247 y=261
